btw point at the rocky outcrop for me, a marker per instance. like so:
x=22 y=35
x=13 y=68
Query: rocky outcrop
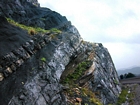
x=43 y=69
x=100 y=76
x=24 y=12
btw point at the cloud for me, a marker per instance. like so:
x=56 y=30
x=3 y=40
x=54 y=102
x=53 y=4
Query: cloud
x=124 y=55
x=115 y=23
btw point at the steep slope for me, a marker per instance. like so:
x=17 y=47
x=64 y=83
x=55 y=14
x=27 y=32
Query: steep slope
x=43 y=69
x=24 y=12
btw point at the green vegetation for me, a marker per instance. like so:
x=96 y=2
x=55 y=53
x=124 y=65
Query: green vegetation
x=127 y=75
x=77 y=73
x=74 y=90
x=43 y=59
x=116 y=82
x=55 y=30
x=87 y=96
x=91 y=95
x=32 y=30
x=124 y=95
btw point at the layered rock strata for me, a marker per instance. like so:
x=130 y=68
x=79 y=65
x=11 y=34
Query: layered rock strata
x=33 y=68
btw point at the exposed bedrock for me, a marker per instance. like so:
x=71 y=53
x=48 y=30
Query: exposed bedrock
x=33 y=68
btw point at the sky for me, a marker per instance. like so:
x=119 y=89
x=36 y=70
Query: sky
x=114 y=23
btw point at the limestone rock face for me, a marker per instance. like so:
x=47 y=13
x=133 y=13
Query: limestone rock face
x=42 y=69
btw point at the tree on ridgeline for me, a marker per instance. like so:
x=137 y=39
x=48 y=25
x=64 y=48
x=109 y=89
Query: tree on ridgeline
x=130 y=75
x=127 y=75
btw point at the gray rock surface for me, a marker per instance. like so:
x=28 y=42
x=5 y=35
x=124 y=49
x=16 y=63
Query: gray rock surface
x=32 y=67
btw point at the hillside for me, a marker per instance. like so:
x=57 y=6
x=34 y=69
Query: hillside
x=44 y=60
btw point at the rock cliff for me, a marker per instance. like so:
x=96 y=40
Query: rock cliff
x=55 y=67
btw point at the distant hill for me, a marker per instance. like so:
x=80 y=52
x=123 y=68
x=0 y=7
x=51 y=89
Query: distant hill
x=134 y=70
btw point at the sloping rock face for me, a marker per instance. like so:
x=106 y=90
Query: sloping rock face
x=41 y=69
x=99 y=76
x=28 y=12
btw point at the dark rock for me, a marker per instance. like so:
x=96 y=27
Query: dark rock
x=11 y=37
x=24 y=12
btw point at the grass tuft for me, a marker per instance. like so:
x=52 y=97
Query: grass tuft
x=32 y=30
x=43 y=59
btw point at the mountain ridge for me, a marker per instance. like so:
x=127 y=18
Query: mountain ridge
x=134 y=70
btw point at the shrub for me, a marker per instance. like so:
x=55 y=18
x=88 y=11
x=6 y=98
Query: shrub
x=43 y=59
x=92 y=98
x=78 y=72
x=31 y=32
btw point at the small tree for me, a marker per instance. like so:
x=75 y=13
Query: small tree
x=130 y=75
x=121 y=76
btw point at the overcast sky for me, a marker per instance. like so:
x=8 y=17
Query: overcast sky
x=115 y=23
